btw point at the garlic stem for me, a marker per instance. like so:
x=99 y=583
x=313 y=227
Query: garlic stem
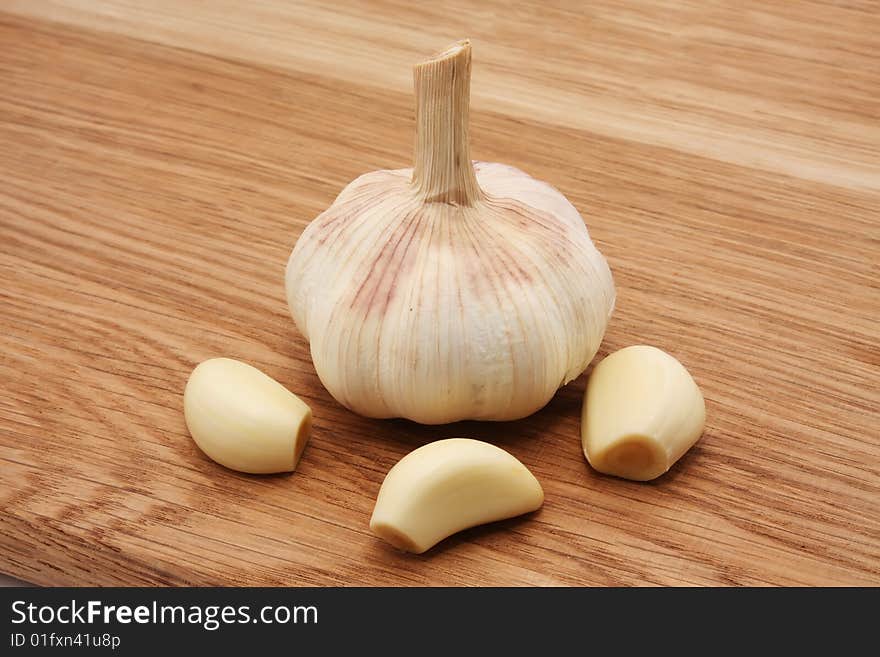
x=443 y=171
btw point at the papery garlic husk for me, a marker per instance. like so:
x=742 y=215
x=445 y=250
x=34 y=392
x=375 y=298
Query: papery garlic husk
x=454 y=290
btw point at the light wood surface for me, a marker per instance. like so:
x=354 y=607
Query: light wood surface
x=159 y=159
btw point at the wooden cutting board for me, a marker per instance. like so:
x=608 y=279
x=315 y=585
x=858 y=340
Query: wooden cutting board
x=158 y=161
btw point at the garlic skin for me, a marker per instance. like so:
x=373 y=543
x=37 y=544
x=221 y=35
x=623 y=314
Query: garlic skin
x=454 y=290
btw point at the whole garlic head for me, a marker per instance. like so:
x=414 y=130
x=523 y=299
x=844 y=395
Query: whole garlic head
x=451 y=291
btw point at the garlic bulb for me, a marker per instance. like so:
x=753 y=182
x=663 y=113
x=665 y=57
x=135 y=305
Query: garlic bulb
x=454 y=290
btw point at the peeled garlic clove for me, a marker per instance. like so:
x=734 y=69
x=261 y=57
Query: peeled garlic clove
x=244 y=419
x=447 y=486
x=454 y=290
x=642 y=411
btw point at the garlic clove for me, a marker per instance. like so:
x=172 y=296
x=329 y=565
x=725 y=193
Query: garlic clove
x=453 y=290
x=244 y=419
x=447 y=486
x=642 y=411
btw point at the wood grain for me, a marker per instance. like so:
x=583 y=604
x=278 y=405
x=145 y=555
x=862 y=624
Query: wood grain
x=159 y=159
